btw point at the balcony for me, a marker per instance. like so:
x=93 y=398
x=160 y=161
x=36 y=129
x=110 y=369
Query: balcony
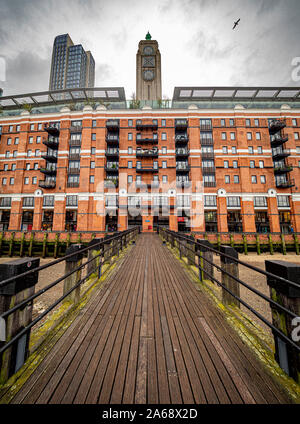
x=281 y=153
x=142 y=140
x=147 y=125
x=49 y=171
x=74 y=156
x=49 y=157
x=181 y=139
x=113 y=169
x=282 y=169
x=209 y=184
x=206 y=141
x=208 y=169
x=75 y=142
x=112 y=140
x=153 y=184
x=52 y=130
x=182 y=184
x=278 y=139
x=276 y=125
x=111 y=183
x=182 y=168
x=51 y=142
x=75 y=129
x=290 y=182
x=112 y=153
x=74 y=170
x=73 y=184
x=182 y=153
x=205 y=127
x=207 y=155
x=181 y=124
x=146 y=153
x=113 y=124
x=47 y=184
x=152 y=168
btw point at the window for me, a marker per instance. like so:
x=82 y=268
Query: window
x=233 y=149
x=227 y=179
x=29 y=152
x=11 y=128
x=249 y=136
x=27 y=166
x=163 y=122
x=236 y=179
x=26 y=180
x=297 y=150
x=130 y=136
x=222 y=122
x=210 y=200
x=252 y=164
x=231 y=122
x=224 y=149
x=283 y=201
x=164 y=150
x=93 y=150
x=16 y=140
x=5 y=201
x=40 y=127
x=28 y=201
x=138 y=178
x=250 y=150
x=232 y=136
x=296 y=136
x=94 y=123
x=7 y=154
x=48 y=201
x=38 y=139
x=37 y=152
x=294 y=122
x=253 y=179
x=9 y=141
x=72 y=200
x=163 y=136
x=261 y=164
x=164 y=163
x=248 y=123
x=34 y=180
x=92 y=164
x=93 y=136
x=226 y=164
x=259 y=149
x=76 y=123
x=30 y=140
x=5 y=168
x=235 y=163
x=164 y=178
x=257 y=135
x=223 y=135
x=18 y=127
x=260 y=201
x=31 y=127
x=92 y=179
x=263 y=179
x=13 y=167
x=129 y=179
x=15 y=153
x=233 y=201
x=36 y=166
x=130 y=164
x=130 y=122
x=256 y=122
x=130 y=150
x=4 y=180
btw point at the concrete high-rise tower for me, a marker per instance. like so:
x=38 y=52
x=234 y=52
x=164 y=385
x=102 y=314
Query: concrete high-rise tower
x=71 y=66
x=148 y=70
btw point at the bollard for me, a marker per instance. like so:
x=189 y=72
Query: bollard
x=11 y=295
x=94 y=250
x=71 y=281
x=289 y=297
x=202 y=247
x=232 y=267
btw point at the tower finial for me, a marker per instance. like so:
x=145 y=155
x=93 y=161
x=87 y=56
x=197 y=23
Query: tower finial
x=148 y=36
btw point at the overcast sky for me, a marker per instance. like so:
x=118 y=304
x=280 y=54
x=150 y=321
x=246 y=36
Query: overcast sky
x=197 y=44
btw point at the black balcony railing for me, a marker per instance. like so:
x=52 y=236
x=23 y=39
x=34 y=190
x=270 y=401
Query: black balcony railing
x=281 y=153
x=142 y=140
x=49 y=170
x=276 y=125
x=278 y=139
x=181 y=124
x=75 y=142
x=51 y=142
x=110 y=153
x=285 y=183
x=182 y=152
x=52 y=130
x=112 y=140
x=144 y=153
x=181 y=139
x=49 y=157
x=147 y=168
x=113 y=169
x=146 y=125
x=113 y=124
x=282 y=169
x=75 y=129
x=182 y=168
x=47 y=184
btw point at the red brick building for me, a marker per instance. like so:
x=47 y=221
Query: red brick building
x=207 y=162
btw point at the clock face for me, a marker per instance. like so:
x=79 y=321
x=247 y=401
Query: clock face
x=149 y=61
x=148 y=50
x=148 y=75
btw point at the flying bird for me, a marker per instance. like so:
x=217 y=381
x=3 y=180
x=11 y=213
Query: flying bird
x=236 y=23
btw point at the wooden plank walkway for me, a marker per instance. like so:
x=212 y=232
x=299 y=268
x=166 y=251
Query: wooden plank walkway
x=149 y=336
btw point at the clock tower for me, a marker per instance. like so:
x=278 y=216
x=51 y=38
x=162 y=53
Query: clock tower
x=148 y=70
